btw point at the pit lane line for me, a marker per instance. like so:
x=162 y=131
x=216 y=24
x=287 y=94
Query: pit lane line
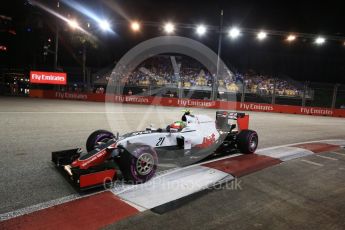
x=62 y=200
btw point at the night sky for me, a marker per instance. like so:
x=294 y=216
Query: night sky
x=301 y=60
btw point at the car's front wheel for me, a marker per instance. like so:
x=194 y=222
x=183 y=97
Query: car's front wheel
x=97 y=138
x=138 y=163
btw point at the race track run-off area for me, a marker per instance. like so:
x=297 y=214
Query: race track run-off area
x=295 y=180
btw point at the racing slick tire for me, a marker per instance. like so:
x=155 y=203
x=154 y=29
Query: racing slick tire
x=98 y=136
x=138 y=163
x=247 y=141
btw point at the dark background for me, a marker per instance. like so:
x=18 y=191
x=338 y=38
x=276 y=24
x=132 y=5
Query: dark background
x=301 y=60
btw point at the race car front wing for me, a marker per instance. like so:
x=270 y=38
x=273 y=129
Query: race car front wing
x=96 y=176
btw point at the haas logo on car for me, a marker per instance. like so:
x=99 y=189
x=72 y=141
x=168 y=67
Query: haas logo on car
x=207 y=141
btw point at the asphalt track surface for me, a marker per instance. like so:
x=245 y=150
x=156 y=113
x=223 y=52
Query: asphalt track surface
x=32 y=128
x=306 y=193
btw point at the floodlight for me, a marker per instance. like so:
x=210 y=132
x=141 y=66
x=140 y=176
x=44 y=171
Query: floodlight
x=234 y=32
x=262 y=35
x=104 y=25
x=291 y=38
x=73 y=23
x=320 y=40
x=169 y=28
x=201 y=30
x=135 y=26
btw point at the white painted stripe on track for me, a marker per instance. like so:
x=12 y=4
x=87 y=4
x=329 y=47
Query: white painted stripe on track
x=325 y=157
x=312 y=162
x=52 y=203
x=340 y=154
x=168 y=165
x=44 y=205
x=40 y=206
x=285 y=153
x=339 y=142
x=139 y=208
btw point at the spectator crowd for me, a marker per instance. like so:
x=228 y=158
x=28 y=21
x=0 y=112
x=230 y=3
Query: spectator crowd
x=158 y=71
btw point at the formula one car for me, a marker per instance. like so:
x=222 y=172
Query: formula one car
x=135 y=154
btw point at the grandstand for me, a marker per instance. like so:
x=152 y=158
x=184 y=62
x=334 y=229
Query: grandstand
x=193 y=76
x=156 y=76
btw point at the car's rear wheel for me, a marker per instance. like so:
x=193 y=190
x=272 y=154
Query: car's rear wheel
x=247 y=141
x=138 y=163
x=98 y=138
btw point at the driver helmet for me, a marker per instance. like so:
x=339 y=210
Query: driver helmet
x=178 y=125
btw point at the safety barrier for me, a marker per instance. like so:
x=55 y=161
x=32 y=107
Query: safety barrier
x=184 y=102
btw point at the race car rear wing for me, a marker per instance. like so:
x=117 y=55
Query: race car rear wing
x=223 y=120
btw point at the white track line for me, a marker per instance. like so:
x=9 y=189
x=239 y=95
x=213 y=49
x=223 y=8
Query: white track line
x=328 y=158
x=340 y=154
x=167 y=165
x=139 y=208
x=37 y=207
x=312 y=162
x=44 y=205
x=298 y=143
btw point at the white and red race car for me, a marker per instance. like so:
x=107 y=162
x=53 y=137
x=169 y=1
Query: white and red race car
x=136 y=154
